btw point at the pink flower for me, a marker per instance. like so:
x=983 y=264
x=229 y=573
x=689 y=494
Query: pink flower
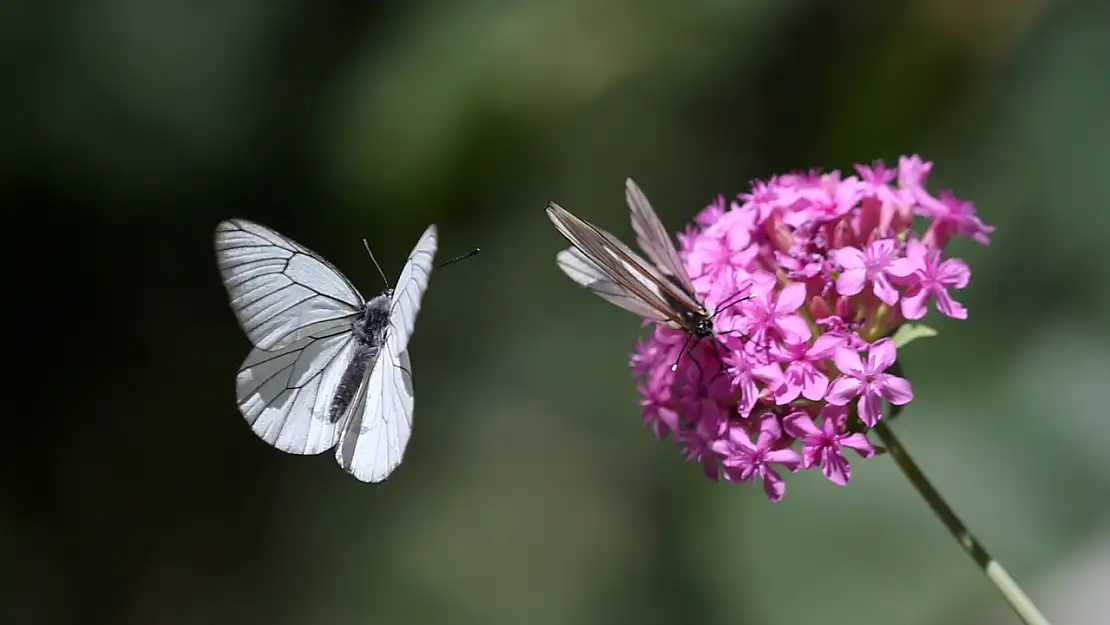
x=821 y=444
x=761 y=201
x=870 y=265
x=744 y=461
x=765 y=318
x=698 y=441
x=803 y=274
x=878 y=176
x=830 y=198
x=704 y=400
x=953 y=216
x=803 y=376
x=912 y=172
x=712 y=212
x=927 y=278
x=743 y=383
x=868 y=381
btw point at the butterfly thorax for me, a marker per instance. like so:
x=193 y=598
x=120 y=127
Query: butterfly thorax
x=703 y=327
x=693 y=321
x=372 y=323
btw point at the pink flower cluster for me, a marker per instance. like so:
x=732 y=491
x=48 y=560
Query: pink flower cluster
x=805 y=275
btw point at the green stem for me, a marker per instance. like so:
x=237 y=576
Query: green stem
x=1006 y=585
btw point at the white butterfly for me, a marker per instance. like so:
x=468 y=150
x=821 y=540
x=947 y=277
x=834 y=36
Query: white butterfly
x=327 y=366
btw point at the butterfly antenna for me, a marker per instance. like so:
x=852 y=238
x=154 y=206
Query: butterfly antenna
x=382 y=273
x=729 y=303
x=456 y=259
x=732 y=301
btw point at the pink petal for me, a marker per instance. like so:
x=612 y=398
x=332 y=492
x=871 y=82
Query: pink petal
x=749 y=395
x=912 y=171
x=916 y=252
x=870 y=408
x=770 y=430
x=773 y=485
x=825 y=347
x=744 y=470
x=668 y=418
x=814 y=385
x=859 y=443
x=881 y=250
x=848 y=361
x=915 y=303
x=791 y=298
x=793 y=327
x=771 y=374
x=949 y=306
x=848 y=258
x=903 y=268
x=721 y=448
x=843 y=390
x=884 y=291
x=786 y=457
x=896 y=390
x=786 y=393
x=800 y=425
x=836 y=468
x=836 y=416
x=954 y=273
x=851 y=281
x=881 y=356
x=740 y=440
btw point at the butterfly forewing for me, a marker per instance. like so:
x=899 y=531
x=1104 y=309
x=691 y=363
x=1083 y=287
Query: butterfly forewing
x=603 y=251
x=652 y=237
x=627 y=270
x=277 y=287
x=411 y=286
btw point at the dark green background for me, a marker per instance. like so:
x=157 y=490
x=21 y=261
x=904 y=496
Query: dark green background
x=530 y=492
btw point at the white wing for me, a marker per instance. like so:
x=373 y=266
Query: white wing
x=653 y=238
x=580 y=269
x=623 y=267
x=279 y=289
x=410 y=288
x=285 y=393
x=373 y=442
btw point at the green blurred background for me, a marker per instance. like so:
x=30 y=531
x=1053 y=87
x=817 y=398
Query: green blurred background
x=530 y=493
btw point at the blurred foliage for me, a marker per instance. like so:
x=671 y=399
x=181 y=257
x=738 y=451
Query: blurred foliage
x=530 y=492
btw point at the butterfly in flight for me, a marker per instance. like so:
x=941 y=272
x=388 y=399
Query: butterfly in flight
x=328 y=368
x=660 y=291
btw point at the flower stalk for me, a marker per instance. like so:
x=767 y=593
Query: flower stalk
x=1011 y=591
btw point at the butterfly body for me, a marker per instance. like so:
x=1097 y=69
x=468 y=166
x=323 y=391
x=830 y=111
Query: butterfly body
x=659 y=291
